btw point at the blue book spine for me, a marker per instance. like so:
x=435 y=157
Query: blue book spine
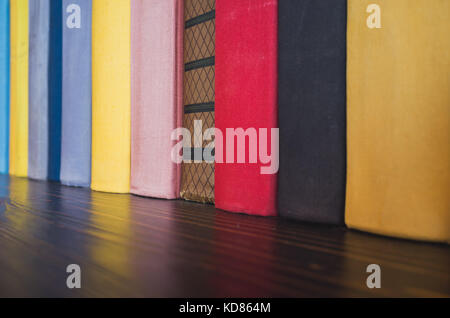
x=4 y=86
x=55 y=91
x=76 y=92
x=45 y=71
x=38 y=101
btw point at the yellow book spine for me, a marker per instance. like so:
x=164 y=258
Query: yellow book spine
x=111 y=96
x=398 y=118
x=18 y=154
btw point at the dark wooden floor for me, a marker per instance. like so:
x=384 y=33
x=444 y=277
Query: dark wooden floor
x=133 y=246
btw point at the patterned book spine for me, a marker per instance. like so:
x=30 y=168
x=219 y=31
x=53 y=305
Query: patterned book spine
x=197 y=182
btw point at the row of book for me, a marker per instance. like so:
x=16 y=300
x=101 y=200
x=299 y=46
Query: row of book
x=353 y=96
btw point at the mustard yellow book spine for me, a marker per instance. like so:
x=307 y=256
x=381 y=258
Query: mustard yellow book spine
x=111 y=96
x=18 y=152
x=398 y=118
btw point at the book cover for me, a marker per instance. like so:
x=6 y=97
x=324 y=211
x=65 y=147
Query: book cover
x=44 y=75
x=4 y=86
x=156 y=95
x=76 y=93
x=111 y=96
x=18 y=120
x=246 y=100
x=312 y=110
x=197 y=174
x=398 y=118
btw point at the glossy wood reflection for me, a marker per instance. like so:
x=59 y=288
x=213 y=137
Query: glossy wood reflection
x=133 y=246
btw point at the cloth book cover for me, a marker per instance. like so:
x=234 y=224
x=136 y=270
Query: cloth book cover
x=45 y=45
x=4 y=86
x=55 y=91
x=197 y=175
x=312 y=110
x=246 y=99
x=38 y=88
x=76 y=93
x=18 y=120
x=156 y=95
x=111 y=96
x=398 y=118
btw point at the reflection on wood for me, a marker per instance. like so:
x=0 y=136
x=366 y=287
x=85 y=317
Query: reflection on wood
x=133 y=246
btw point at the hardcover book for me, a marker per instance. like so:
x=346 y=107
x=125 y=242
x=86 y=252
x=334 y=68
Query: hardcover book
x=197 y=175
x=4 y=86
x=312 y=110
x=76 y=93
x=111 y=96
x=156 y=95
x=246 y=99
x=398 y=118
x=18 y=133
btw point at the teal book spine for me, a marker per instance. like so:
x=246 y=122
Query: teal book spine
x=4 y=86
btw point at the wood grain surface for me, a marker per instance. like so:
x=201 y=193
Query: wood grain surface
x=129 y=246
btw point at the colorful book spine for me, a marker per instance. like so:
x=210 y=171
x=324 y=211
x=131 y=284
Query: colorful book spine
x=398 y=118
x=246 y=106
x=38 y=88
x=55 y=91
x=111 y=96
x=156 y=95
x=197 y=175
x=4 y=86
x=18 y=133
x=312 y=110
x=44 y=89
x=76 y=93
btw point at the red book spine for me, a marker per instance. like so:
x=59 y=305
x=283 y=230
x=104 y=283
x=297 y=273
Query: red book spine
x=246 y=97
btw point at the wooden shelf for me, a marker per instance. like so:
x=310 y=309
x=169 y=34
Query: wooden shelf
x=134 y=246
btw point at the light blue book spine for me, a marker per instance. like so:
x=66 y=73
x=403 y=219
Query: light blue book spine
x=45 y=71
x=4 y=86
x=77 y=93
x=38 y=86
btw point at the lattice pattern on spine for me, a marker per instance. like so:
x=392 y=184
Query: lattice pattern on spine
x=197 y=182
